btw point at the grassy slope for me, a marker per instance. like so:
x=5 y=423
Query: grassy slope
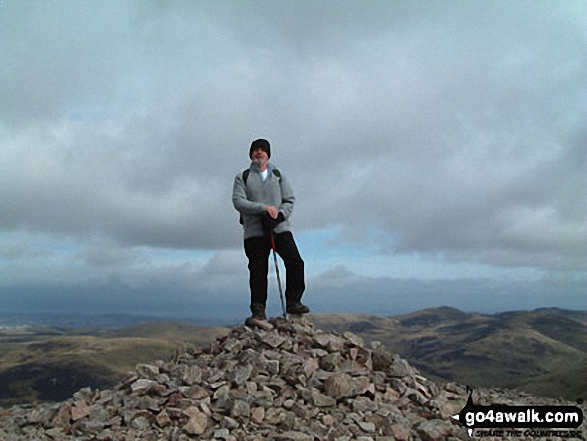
x=53 y=366
x=542 y=351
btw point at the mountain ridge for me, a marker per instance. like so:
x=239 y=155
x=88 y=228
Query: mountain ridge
x=511 y=349
x=517 y=349
x=280 y=381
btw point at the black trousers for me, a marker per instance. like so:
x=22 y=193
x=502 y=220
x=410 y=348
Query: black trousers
x=257 y=250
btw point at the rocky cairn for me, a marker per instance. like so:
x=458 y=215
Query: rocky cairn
x=282 y=381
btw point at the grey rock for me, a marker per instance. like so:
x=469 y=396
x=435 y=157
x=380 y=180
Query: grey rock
x=54 y=433
x=142 y=386
x=197 y=423
x=240 y=374
x=330 y=362
x=283 y=381
x=257 y=415
x=367 y=426
x=338 y=386
x=398 y=432
x=330 y=342
x=354 y=339
x=140 y=422
x=221 y=433
x=148 y=371
x=273 y=339
x=435 y=430
x=240 y=409
x=321 y=400
x=364 y=404
x=292 y=436
x=80 y=409
x=229 y=423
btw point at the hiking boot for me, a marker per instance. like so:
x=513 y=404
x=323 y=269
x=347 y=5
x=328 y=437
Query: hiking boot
x=297 y=308
x=258 y=315
x=254 y=321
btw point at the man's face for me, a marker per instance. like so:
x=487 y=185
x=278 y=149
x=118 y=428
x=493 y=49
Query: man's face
x=259 y=156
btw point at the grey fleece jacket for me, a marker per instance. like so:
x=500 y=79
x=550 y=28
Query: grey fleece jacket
x=251 y=199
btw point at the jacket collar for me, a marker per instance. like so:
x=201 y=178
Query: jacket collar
x=254 y=167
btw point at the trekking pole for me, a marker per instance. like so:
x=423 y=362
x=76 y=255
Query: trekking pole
x=277 y=272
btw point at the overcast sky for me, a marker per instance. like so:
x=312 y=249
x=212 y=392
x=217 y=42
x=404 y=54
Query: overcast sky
x=437 y=150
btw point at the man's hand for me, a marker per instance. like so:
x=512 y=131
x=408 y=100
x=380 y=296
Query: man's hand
x=272 y=211
x=270 y=223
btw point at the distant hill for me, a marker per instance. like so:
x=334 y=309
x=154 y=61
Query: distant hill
x=279 y=381
x=51 y=363
x=542 y=351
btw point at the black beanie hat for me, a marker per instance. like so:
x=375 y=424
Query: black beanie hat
x=260 y=144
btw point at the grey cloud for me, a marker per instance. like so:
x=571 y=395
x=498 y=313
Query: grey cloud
x=111 y=281
x=227 y=262
x=16 y=250
x=108 y=255
x=50 y=58
x=187 y=291
x=59 y=190
x=454 y=128
x=384 y=295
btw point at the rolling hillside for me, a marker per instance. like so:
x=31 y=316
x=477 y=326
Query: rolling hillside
x=542 y=351
x=50 y=364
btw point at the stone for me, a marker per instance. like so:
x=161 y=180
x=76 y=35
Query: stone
x=330 y=361
x=283 y=381
x=366 y=426
x=310 y=366
x=240 y=408
x=221 y=433
x=273 y=339
x=354 y=339
x=364 y=404
x=86 y=394
x=197 y=423
x=43 y=415
x=142 y=386
x=330 y=342
x=197 y=392
x=338 y=386
x=416 y=396
x=240 y=374
x=274 y=416
x=272 y=367
x=292 y=436
x=362 y=385
x=192 y=375
x=301 y=411
x=140 y=422
x=398 y=432
x=222 y=396
x=262 y=324
x=399 y=368
x=63 y=417
x=163 y=419
x=327 y=420
x=54 y=433
x=147 y=371
x=434 y=430
x=382 y=360
x=80 y=409
x=257 y=415
x=321 y=400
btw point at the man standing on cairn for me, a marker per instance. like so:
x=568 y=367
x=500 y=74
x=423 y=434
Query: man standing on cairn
x=265 y=200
